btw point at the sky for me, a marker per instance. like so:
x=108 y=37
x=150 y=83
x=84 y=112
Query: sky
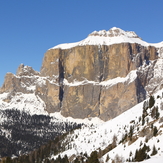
x=28 y=28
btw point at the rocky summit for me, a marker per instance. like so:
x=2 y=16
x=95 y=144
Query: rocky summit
x=101 y=76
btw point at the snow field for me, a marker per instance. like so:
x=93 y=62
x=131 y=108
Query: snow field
x=91 y=138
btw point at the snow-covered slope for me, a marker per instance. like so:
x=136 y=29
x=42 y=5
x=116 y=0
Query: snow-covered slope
x=113 y=36
x=126 y=133
x=29 y=103
x=155 y=159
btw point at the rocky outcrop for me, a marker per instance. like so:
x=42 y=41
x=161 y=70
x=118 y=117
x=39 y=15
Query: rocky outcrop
x=98 y=101
x=98 y=64
x=89 y=80
x=29 y=81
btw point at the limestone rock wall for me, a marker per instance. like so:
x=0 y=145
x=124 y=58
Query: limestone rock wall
x=97 y=63
x=93 y=64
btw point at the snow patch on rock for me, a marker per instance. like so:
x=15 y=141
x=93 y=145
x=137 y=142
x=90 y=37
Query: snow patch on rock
x=108 y=83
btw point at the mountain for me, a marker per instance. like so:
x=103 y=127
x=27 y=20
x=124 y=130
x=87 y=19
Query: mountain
x=91 y=78
x=140 y=128
x=108 y=87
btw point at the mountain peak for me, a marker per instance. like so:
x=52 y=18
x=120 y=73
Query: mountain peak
x=113 y=36
x=26 y=70
x=115 y=32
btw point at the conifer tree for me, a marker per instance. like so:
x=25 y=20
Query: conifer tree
x=155 y=131
x=93 y=158
x=151 y=101
x=154 y=151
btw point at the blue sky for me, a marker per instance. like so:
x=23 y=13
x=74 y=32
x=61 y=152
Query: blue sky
x=29 y=27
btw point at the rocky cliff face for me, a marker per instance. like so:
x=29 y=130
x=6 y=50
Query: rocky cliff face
x=82 y=69
x=88 y=79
